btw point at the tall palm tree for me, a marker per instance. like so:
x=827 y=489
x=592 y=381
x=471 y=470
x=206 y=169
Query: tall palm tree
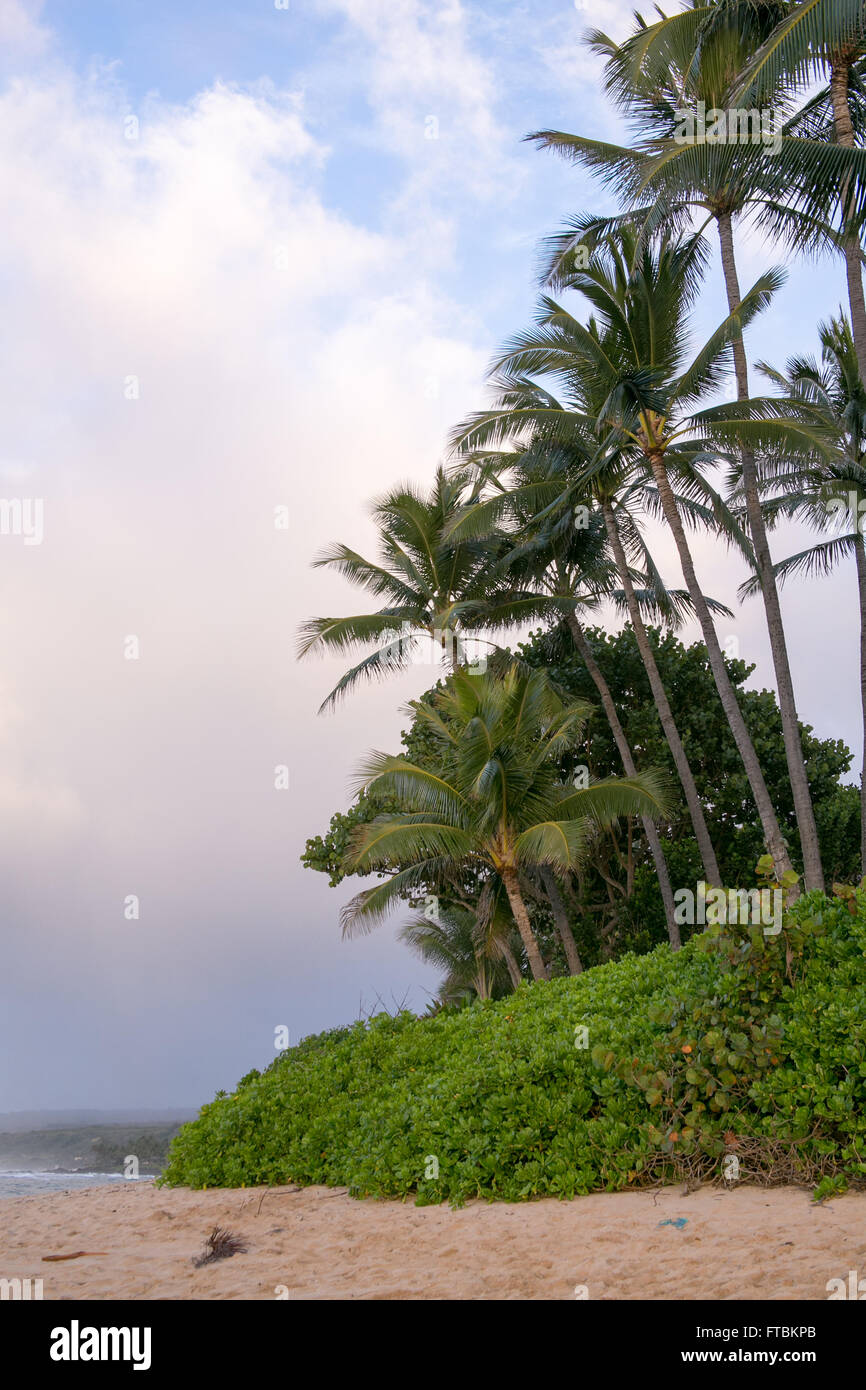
x=566 y=564
x=534 y=408
x=569 y=566
x=433 y=586
x=633 y=355
x=663 y=71
x=606 y=497
x=500 y=803
x=595 y=373
x=827 y=493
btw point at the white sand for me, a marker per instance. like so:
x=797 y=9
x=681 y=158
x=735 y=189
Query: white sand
x=752 y=1243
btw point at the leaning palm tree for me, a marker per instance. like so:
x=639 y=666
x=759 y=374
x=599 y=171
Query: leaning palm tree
x=828 y=494
x=558 y=547
x=661 y=77
x=633 y=356
x=524 y=406
x=565 y=565
x=560 y=562
x=500 y=803
x=433 y=587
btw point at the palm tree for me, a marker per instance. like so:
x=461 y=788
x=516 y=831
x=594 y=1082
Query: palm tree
x=565 y=566
x=452 y=943
x=560 y=919
x=661 y=72
x=433 y=586
x=438 y=585
x=612 y=526
x=572 y=572
x=568 y=566
x=826 y=492
x=499 y=804
x=525 y=406
x=633 y=360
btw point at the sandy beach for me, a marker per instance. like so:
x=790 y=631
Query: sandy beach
x=319 y=1243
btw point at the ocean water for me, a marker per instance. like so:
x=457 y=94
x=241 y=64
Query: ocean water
x=31 y=1184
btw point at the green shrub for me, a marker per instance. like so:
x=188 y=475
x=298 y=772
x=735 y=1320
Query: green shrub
x=755 y=1045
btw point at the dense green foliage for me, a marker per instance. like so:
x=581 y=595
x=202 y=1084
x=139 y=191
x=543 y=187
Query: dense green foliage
x=636 y=922
x=729 y=807
x=505 y=1099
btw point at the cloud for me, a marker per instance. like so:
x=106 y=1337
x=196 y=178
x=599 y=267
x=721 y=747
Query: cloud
x=198 y=340
x=435 y=101
x=560 y=44
x=21 y=34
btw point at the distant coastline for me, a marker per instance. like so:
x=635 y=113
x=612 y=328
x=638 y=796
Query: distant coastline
x=17 y=1121
x=54 y=1156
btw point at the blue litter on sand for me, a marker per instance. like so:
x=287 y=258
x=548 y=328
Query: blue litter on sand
x=679 y=1222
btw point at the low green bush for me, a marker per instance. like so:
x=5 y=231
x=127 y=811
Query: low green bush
x=738 y=1043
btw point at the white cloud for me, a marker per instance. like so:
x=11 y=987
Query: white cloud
x=281 y=354
x=560 y=46
x=21 y=34
x=435 y=100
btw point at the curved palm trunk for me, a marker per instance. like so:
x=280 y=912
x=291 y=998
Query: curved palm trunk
x=772 y=833
x=625 y=753
x=813 y=871
x=844 y=129
x=511 y=961
x=560 y=918
x=693 y=800
x=860 y=553
x=521 y=917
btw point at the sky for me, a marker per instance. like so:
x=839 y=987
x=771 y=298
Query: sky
x=254 y=261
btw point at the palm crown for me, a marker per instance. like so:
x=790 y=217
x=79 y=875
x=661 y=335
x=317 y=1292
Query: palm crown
x=500 y=801
x=432 y=585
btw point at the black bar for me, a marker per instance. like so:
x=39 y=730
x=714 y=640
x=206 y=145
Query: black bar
x=652 y=1338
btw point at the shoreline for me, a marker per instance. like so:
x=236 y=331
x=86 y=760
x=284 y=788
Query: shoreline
x=753 y=1243
x=26 y=1182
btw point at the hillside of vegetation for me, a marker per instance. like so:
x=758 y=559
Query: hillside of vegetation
x=740 y=1045
x=86 y=1148
x=620 y=874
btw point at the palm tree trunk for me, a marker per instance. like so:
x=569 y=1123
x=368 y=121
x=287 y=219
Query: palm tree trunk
x=579 y=639
x=482 y=981
x=860 y=553
x=844 y=129
x=560 y=918
x=521 y=917
x=693 y=800
x=511 y=961
x=812 y=868
x=856 y=301
x=772 y=833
